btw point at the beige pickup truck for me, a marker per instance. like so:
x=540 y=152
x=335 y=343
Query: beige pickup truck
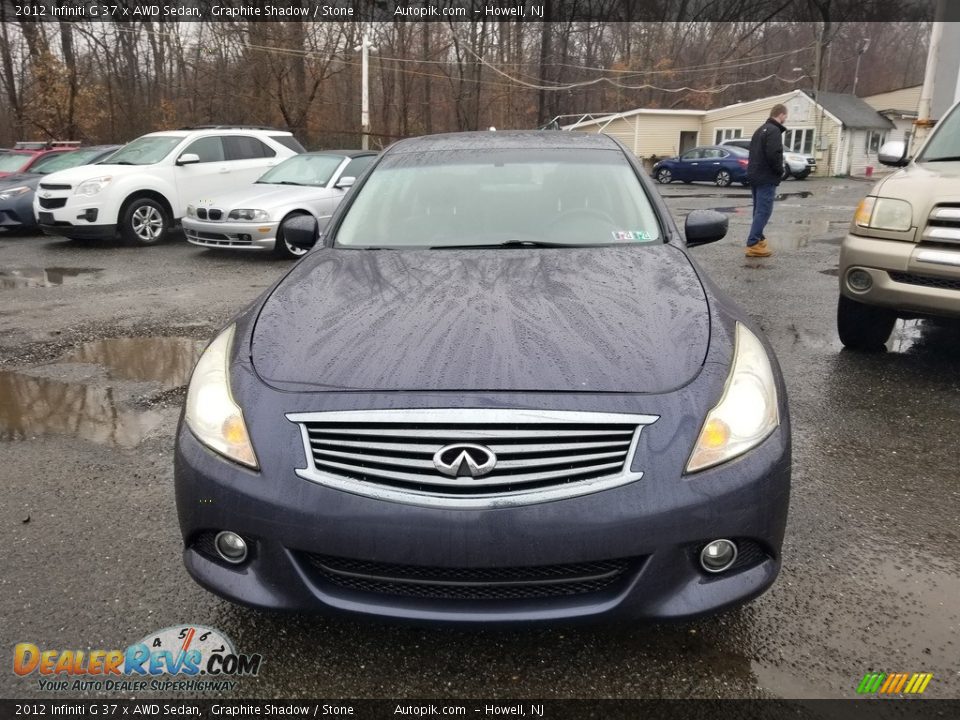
x=901 y=257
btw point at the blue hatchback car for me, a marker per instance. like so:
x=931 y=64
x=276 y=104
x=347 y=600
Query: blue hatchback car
x=717 y=164
x=497 y=388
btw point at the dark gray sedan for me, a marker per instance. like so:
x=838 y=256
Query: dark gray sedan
x=17 y=191
x=498 y=388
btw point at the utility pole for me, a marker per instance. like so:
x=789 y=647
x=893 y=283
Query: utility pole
x=365 y=47
x=864 y=44
x=924 y=122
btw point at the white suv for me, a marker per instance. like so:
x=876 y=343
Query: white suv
x=144 y=188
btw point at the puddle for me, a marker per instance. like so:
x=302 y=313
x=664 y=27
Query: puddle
x=40 y=406
x=941 y=336
x=166 y=360
x=833 y=272
x=33 y=403
x=31 y=277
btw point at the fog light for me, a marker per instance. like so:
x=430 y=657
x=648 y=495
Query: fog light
x=718 y=556
x=231 y=547
x=243 y=237
x=859 y=280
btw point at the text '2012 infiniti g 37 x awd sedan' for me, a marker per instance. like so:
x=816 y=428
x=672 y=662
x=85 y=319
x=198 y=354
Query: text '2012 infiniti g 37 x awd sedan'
x=496 y=389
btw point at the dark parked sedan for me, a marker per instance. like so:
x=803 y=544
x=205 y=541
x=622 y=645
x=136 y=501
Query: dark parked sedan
x=720 y=165
x=17 y=191
x=497 y=389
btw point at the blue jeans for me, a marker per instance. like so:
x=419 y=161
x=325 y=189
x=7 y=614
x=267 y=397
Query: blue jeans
x=762 y=210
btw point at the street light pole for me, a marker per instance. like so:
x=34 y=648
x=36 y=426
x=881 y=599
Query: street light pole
x=365 y=47
x=864 y=44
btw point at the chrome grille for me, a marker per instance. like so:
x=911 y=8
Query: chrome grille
x=499 y=583
x=943 y=225
x=540 y=455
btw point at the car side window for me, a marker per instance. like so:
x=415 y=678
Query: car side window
x=714 y=153
x=692 y=155
x=243 y=147
x=356 y=166
x=208 y=149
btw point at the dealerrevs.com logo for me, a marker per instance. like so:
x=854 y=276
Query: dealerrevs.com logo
x=178 y=658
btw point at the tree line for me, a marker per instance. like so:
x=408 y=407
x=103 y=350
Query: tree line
x=110 y=81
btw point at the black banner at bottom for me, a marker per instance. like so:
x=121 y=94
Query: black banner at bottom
x=860 y=709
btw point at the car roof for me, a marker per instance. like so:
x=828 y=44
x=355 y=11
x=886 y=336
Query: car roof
x=509 y=140
x=217 y=131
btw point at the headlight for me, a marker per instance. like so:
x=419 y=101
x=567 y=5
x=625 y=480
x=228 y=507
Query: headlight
x=884 y=214
x=249 y=214
x=793 y=157
x=211 y=413
x=92 y=186
x=747 y=412
x=191 y=211
x=14 y=192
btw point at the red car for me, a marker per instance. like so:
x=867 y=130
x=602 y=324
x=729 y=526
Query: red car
x=24 y=154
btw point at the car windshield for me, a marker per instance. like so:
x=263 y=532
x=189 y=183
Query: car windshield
x=314 y=170
x=9 y=162
x=499 y=197
x=144 y=151
x=62 y=161
x=944 y=144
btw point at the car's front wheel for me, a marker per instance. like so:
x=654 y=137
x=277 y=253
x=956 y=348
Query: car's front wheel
x=664 y=176
x=281 y=247
x=861 y=326
x=723 y=178
x=785 y=175
x=144 y=221
x=802 y=175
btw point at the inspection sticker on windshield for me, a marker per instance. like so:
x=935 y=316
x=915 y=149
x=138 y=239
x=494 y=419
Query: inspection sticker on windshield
x=632 y=236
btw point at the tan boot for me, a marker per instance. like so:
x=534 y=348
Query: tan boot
x=761 y=249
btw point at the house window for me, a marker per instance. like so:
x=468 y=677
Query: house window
x=721 y=134
x=875 y=138
x=799 y=140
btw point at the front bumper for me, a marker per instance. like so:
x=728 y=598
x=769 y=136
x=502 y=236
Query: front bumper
x=231 y=234
x=17 y=213
x=76 y=216
x=656 y=525
x=911 y=278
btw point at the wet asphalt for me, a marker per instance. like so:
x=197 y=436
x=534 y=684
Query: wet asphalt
x=96 y=342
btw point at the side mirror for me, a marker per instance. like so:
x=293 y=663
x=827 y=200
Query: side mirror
x=705 y=226
x=894 y=153
x=300 y=231
x=188 y=159
x=345 y=182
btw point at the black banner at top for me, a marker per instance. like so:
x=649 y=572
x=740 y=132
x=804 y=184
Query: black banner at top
x=478 y=10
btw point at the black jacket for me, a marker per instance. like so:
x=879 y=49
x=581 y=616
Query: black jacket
x=766 y=154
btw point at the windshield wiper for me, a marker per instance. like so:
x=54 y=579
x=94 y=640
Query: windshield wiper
x=507 y=244
x=282 y=182
x=946 y=158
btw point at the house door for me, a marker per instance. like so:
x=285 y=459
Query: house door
x=688 y=140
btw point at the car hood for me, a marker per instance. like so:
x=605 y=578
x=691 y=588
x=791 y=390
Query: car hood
x=606 y=319
x=28 y=179
x=264 y=196
x=923 y=185
x=76 y=175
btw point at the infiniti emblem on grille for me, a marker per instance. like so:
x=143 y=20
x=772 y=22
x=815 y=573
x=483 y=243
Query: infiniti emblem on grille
x=464 y=460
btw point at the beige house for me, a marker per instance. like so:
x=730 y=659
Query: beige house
x=900 y=107
x=841 y=131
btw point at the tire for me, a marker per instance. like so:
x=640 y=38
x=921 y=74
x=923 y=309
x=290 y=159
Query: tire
x=144 y=221
x=722 y=178
x=664 y=176
x=785 y=175
x=280 y=248
x=802 y=175
x=863 y=327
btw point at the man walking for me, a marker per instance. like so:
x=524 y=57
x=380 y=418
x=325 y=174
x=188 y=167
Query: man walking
x=764 y=172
